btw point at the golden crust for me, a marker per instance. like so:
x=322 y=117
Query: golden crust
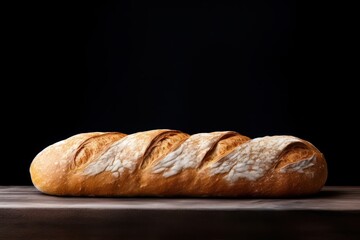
x=172 y=163
x=53 y=168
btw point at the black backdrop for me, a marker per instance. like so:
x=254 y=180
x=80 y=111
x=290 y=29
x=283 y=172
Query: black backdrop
x=256 y=67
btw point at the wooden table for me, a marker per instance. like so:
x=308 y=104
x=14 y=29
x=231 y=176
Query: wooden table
x=25 y=213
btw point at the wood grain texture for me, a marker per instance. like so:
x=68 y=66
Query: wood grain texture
x=25 y=213
x=329 y=199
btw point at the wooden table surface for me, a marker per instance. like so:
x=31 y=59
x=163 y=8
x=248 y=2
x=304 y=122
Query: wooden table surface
x=25 y=213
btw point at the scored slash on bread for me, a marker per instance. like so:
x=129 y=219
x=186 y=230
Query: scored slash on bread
x=165 y=162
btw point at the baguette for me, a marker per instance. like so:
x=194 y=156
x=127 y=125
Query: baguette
x=166 y=162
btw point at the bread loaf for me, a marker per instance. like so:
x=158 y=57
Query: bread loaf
x=165 y=162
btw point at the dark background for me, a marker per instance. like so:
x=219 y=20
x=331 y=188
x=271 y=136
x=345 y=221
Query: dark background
x=256 y=67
